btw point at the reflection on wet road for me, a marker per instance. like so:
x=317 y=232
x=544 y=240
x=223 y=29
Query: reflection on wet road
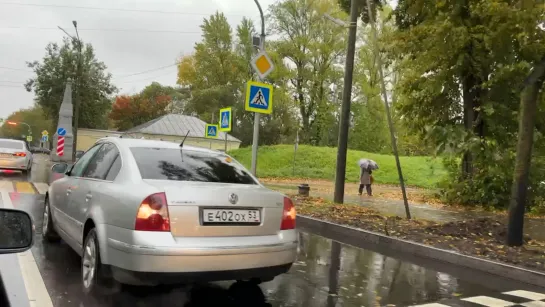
x=326 y=274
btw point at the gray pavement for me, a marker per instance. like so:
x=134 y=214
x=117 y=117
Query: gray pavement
x=364 y=278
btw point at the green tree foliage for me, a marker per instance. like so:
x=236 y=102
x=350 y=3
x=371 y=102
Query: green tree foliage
x=313 y=47
x=34 y=117
x=363 y=11
x=463 y=64
x=57 y=66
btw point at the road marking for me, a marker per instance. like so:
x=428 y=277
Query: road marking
x=487 y=301
x=34 y=283
x=41 y=187
x=24 y=187
x=534 y=304
x=527 y=294
x=6 y=186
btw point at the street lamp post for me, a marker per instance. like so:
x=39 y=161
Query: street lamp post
x=12 y=123
x=78 y=86
x=257 y=116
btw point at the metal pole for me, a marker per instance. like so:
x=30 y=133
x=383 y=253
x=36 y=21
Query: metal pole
x=257 y=116
x=388 y=115
x=225 y=141
x=295 y=150
x=345 y=109
x=78 y=95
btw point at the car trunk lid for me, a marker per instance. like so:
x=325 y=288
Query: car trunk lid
x=221 y=209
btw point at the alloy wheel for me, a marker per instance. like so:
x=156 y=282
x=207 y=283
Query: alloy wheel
x=89 y=263
x=45 y=219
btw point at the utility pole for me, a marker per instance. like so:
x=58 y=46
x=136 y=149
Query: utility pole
x=387 y=107
x=78 y=93
x=345 y=109
x=257 y=116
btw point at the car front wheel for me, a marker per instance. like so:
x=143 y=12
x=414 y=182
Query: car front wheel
x=48 y=231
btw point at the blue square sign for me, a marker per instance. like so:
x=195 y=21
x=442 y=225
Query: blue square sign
x=225 y=119
x=211 y=131
x=259 y=97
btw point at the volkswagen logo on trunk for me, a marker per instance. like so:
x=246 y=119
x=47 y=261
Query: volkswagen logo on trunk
x=233 y=198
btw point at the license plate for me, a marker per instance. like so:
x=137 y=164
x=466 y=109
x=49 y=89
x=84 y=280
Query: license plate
x=231 y=216
x=5 y=155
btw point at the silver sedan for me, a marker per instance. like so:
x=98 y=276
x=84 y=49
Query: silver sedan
x=15 y=155
x=146 y=212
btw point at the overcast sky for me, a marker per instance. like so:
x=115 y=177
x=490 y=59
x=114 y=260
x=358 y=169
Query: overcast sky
x=128 y=42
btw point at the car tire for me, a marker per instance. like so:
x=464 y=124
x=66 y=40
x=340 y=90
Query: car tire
x=94 y=275
x=48 y=230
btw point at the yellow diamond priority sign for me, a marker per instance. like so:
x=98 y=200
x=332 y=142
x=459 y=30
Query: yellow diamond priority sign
x=262 y=64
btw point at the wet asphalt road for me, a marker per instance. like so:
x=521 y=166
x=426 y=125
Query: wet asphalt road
x=364 y=278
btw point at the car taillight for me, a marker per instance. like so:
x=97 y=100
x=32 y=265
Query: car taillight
x=288 y=215
x=153 y=214
x=20 y=154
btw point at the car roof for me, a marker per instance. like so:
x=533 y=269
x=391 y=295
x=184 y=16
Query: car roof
x=12 y=140
x=129 y=142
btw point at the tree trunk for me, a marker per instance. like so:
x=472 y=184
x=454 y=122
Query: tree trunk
x=528 y=109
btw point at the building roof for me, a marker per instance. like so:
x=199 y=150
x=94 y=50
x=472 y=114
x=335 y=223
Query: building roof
x=177 y=125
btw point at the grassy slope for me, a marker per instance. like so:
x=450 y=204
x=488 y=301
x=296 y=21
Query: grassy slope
x=319 y=163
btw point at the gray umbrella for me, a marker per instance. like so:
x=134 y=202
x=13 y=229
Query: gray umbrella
x=368 y=163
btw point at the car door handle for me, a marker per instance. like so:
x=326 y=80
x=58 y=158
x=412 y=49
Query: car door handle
x=68 y=192
x=88 y=197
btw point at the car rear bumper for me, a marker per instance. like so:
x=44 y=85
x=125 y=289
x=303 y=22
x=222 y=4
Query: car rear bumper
x=245 y=257
x=17 y=164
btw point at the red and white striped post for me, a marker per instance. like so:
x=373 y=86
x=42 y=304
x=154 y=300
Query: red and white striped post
x=60 y=146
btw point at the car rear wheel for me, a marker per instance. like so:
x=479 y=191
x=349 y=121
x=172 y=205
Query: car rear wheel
x=94 y=276
x=48 y=231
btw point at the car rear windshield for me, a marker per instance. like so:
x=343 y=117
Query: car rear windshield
x=11 y=144
x=187 y=165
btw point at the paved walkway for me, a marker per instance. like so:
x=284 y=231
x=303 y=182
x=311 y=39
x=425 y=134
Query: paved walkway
x=535 y=228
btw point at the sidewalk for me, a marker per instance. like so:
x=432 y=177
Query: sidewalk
x=535 y=228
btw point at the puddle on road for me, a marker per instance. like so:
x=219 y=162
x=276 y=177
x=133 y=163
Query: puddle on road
x=364 y=278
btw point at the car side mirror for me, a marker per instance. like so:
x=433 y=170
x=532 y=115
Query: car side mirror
x=60 y=168
x=16 y=231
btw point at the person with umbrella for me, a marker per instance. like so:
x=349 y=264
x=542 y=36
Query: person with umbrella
x=366 y=169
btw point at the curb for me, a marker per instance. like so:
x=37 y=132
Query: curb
x=421 y=254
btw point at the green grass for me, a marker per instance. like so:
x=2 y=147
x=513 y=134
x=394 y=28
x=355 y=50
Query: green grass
x=319 y=163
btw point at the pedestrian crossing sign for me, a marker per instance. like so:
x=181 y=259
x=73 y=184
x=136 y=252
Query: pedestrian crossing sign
x=259 y=97
x=211 y=131
x=225 y=120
